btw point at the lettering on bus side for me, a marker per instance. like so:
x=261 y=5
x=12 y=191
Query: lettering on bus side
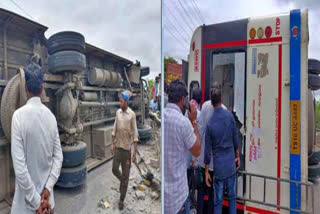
x=277 y=26
x=196 y=60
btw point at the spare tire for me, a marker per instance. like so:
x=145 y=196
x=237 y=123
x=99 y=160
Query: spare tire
x=74 y=155
x=66 y=41
x=72 y=177
x=311 y=122
x=314 y=158
x=313 y=66
x=145 y=132
x=9 y=103
x=314 y=81
x=67 y=61
x=314 y=171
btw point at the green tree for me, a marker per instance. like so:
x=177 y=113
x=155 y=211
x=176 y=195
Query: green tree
x=151 y=83
x=166 y=60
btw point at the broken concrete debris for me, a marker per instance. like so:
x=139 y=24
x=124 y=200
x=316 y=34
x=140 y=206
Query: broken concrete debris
x=140 y=195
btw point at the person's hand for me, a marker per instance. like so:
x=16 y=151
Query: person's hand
x=193 y=112
x=193 y=163
x=208 y=179
x=134 y=156
x=111 y=148
x=237 y=160
x=45 y=208
x=45 y=194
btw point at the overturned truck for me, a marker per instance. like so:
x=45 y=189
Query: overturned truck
x=81 y=87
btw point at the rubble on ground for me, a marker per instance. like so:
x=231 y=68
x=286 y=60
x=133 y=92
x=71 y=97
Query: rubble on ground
x=144 y=182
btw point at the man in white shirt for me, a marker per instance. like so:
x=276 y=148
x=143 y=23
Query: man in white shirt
x=35 y=150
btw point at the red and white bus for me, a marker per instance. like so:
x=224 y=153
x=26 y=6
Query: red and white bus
x=262 y=66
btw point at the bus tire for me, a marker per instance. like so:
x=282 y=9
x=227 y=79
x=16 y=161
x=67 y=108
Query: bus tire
x=314 y=81
x=67 y=61
x=314 y=66
x=145 y=132
x=311 y=122
x=314 y=159
x=9 y=103
x=314 y=171
x=74 y=155
x=72 y=177
x=66 y=41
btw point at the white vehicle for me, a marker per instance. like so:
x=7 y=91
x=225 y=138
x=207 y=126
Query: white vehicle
x=262 y=65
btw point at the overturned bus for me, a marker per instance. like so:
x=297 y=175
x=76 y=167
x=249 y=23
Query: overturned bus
x=81 y=87
x=266 y=79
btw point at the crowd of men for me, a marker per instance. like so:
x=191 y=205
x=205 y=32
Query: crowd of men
x=201 y=151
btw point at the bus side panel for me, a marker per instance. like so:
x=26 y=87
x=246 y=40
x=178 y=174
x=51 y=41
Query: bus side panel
x=304 y=105
x=267 y=107
x=195 y=58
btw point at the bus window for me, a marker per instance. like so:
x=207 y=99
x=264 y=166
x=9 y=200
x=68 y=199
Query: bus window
x=193 y=85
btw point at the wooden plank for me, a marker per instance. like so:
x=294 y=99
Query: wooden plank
x=93 y=163
x=14 y=48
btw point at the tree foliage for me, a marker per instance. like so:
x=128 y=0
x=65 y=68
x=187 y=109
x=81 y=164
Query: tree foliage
x=166 y=60
x=151 y=83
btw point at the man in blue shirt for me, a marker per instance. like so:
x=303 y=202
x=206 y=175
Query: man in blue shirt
x=154 y=105
x=222 y=142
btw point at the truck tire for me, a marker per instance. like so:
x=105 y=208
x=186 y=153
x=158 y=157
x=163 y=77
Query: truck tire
x=314 y=171
x=66 y=41
x=74 y=155
x=67 y=61
x=145 y=132
x=9 y=103
x=314 y=158
x=314 y=81
x=314 y=66
x=72 y=177
x=311 y=122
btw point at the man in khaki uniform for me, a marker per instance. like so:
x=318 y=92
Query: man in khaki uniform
x=125 y=132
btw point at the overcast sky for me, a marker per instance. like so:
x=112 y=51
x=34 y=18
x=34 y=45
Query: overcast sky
x=181 y=20
x=130 y=29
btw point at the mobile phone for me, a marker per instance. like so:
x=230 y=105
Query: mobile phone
x=186 y=105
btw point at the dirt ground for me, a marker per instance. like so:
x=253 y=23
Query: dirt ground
x=102 y=188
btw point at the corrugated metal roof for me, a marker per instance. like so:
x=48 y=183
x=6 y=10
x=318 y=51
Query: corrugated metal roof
x=19 y=20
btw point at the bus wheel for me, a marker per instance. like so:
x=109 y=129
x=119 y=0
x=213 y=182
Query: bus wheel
x=72 y=177
x=74 y=155
x=314 y=66
x=66 y=41
x=314 y=81
x=71 y=61
x=145 y=132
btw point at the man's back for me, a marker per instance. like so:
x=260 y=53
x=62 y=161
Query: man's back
x=34 y=138
x=178 y=139
x=221 y=131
